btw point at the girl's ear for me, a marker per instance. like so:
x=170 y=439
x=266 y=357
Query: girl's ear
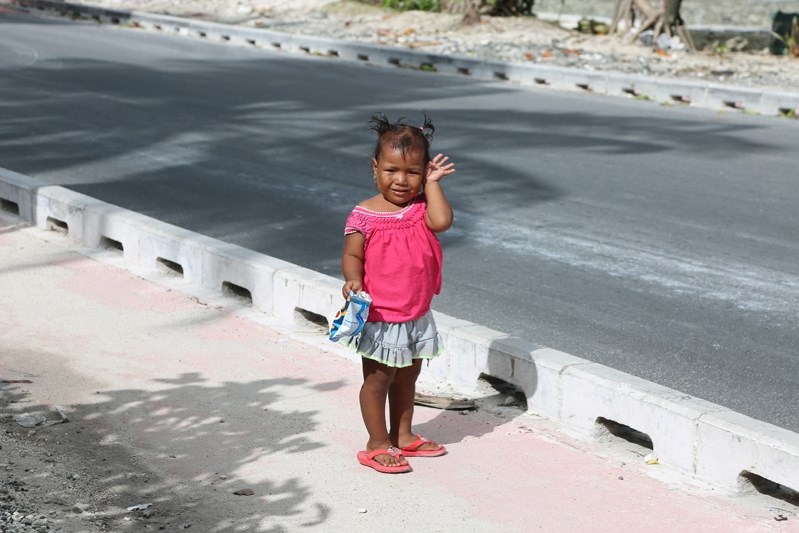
x=374 y=165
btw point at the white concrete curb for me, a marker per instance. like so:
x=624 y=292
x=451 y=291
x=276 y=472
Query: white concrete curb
x=704 y=440
x=697 y=94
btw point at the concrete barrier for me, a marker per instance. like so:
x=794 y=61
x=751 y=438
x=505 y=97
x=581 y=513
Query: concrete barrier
x=661 y=90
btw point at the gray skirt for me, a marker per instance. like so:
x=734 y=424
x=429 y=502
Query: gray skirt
x=398 y=344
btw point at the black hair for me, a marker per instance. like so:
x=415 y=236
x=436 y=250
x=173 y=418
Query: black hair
x=402 y=136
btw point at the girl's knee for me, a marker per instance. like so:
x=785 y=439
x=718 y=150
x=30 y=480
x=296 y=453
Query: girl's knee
x=376 y=375
x=410 y=373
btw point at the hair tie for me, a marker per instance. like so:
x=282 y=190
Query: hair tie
x=421 y=128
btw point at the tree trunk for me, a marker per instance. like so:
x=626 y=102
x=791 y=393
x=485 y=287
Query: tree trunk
x=666 y=19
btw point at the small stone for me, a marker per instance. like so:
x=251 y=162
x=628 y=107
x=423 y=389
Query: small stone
x=244 y=492
x=362 y=510
x=79 y=508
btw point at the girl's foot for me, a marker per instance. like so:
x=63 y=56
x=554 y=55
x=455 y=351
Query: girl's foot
x=387 y=459
x=418 y=446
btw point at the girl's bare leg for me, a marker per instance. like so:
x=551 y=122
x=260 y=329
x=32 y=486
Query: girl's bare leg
x=401 y=393
x=377 y=379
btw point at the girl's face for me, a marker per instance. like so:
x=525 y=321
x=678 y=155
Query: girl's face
x=399 y=178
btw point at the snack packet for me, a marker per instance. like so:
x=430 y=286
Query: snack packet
x=350 y=319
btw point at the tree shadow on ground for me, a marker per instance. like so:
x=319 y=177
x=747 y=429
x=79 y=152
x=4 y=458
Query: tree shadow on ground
x=198 y=439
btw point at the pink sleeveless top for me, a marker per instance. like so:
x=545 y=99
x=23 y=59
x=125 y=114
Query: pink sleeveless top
x=402 y=261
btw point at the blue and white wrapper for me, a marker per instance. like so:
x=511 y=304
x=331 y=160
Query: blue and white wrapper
x=350 y=319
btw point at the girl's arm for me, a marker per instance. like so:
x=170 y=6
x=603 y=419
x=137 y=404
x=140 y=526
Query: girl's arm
x=352 y=263
x=439 y=212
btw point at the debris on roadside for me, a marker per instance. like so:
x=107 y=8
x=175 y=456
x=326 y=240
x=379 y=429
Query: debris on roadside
x=452 y=403
x=140 y=507
x=32 y=420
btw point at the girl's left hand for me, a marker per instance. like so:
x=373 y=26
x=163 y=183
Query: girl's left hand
x=438 y=167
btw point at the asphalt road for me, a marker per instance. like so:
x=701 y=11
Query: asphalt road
x=661 y=242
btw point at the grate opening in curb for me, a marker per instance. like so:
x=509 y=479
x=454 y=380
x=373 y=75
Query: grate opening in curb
x=513 y=396
x=584 y=86
x=394 y=61
x=541 y=81
x=305 y=49
x=465 y=71
x=311 y=318
x=789 y=112
x=225 y=37
x=277 y=45
x=236 y=291
x=681 y=98
x=427 y=67
x=114 y=20
x=626 y=433
x=252 y=42
x=500 y=76
x=732 y=104
x=157 y=27
x=111 y=244
x=169 y=267
x=59 y=226
x=9 y=207
x=768 y=487
x=332 y=53
x=363 y=57
x=202 y=34
x=630 y=91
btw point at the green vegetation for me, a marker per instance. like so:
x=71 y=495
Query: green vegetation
x=487 y=7
x=407 y=5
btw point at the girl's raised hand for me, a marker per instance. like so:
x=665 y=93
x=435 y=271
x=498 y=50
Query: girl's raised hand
x=438 y=167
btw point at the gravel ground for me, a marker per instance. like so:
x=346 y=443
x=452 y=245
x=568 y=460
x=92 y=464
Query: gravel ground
x=523 y=39
x=727 y=12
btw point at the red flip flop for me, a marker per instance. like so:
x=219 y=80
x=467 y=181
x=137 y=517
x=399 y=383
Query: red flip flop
x=412 y=449
x=368 y=459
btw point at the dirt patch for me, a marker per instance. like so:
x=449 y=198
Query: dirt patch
x=63 y=477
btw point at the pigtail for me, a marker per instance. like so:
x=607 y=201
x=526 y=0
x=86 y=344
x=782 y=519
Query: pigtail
x=379 y=123
x=427 y=127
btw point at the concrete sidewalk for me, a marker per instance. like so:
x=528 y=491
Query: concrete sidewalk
x=180 y=398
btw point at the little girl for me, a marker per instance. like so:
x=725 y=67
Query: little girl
x=391 y=251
